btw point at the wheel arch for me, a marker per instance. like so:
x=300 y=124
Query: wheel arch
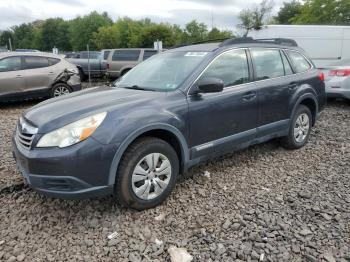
x=166 y=132
x=310 y=101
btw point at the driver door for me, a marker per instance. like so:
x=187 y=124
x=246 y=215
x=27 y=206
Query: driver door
x=220 y=121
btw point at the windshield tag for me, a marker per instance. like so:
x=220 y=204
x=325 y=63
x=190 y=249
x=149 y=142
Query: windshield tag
x=196 y=53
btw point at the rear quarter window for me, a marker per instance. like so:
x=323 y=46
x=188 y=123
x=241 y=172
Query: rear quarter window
x=53 y=61
x=299 y=62
x=126 y=55
x=148 y=53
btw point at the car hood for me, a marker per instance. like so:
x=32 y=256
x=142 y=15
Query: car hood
x=57 y=112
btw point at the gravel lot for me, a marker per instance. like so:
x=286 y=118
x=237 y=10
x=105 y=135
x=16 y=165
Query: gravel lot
x=263 y=203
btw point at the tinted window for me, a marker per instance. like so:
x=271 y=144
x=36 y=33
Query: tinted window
x=126 y=55
x=148 y=53
x=92 y=55
x=268 y=63
x=53 y=61
x=231 y=67
x=299 y=62
x=106 y=54
x=32 y=62
x=287 y=68
x=10 y=64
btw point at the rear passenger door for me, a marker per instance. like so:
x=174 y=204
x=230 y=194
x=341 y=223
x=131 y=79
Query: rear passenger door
x=276 y=85
x=122 y=59
x=38 y=73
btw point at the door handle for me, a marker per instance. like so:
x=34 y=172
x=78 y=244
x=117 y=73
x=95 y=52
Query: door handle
x=19 y=76
x=293 y=86
x=249 y=96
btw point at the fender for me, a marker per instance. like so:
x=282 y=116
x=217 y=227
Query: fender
x=300 y=99
x=125 y=144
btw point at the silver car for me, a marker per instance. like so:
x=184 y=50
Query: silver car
x=31 y=75
x=337 y=79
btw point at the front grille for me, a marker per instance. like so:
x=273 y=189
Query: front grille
x=24 y=139
x=25 y=134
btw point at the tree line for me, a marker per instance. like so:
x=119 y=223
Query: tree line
x=100 y=31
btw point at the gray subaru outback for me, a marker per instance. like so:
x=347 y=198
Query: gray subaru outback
x=169 y=113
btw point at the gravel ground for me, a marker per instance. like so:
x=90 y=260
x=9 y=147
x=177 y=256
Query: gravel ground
x=263 y=203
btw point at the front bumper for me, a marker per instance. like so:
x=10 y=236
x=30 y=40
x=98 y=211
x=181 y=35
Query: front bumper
x=76 y=172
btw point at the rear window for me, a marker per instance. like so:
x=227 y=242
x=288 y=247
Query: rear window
x=299 y=62
x=32 y=62
x=126 y=55
x=268 y=63
x=148 y=53
x=10 y=64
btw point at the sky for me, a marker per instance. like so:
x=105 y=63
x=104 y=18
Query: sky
x=223 y=12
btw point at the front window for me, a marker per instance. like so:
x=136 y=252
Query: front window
x=10 y=64
x=163 y=72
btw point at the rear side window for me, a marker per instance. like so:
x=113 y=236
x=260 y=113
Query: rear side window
x=268 y=63
x=90 y=55
x=231 y=67
x=106 y=54
x=126 y=55
x=287 y=68
x=299 y=62
x=10 y=64
x=148 y=53
x=53 y=61
x=32 y=62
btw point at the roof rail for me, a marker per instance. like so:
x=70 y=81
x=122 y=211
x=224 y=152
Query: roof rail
x=244 y=40
x=216 y=40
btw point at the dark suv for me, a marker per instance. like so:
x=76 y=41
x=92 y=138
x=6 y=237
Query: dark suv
x=167 y=114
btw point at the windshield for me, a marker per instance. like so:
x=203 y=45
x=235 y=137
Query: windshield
x=162 y=72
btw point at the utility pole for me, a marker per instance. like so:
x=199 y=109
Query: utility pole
x=10 y=44
x=88 y=50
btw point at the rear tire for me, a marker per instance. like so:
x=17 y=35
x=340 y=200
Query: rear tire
x=299 y=130
x=147 y=173
x=60 y=89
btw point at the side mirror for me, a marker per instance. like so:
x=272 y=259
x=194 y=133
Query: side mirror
x=208 y=85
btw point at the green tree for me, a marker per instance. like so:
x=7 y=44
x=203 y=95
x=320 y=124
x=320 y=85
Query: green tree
x=288 y=11
x=107 y=37
x=217 y=34
x=161 y=32
x=256 y=17
x=195 y=32
x=23 y=36
x=82 y=29
x=4 y=38
x=324 y=12
x=54 y=32
x=130 y=32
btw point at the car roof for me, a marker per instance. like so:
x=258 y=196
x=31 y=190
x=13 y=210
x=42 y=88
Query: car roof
x=239 y=43
x=8 y=54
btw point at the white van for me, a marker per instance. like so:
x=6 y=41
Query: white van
x=324 y=44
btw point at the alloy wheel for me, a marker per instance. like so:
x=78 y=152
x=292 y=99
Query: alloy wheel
x=61 y=90
x=301 y=127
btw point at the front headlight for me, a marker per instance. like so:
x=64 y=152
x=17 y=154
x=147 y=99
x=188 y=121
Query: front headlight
x=72 y=133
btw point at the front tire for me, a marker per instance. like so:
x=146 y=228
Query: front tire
x=147 y=173
x=299 y=130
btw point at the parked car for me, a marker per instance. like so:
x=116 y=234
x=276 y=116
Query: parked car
x=95 y=59
x=167 y=114
x=337 y=79
x=32 y=75
x=71 y=55
x=120 y=61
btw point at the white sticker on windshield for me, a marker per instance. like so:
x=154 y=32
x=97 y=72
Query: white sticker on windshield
x=196 y=53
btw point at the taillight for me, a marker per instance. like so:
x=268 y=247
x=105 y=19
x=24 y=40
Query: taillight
x=321 y=75
x=340 y=72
